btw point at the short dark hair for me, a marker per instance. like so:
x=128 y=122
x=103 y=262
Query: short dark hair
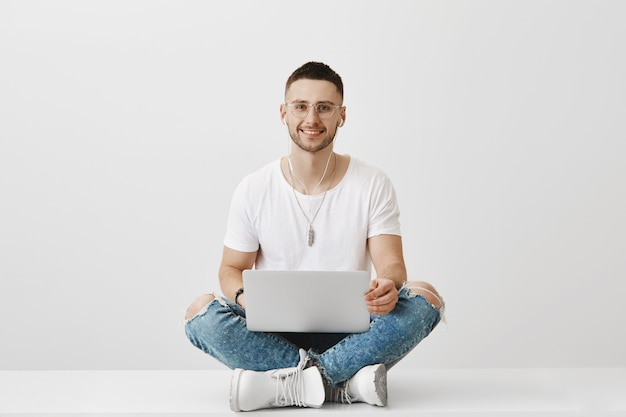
x=316 y=71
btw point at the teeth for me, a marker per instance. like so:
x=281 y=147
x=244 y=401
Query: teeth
x=312 y=132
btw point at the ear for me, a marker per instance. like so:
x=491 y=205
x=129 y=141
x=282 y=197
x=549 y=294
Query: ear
x=342 y=117
x=283 y=113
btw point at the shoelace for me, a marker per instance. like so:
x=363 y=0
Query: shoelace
x=290 y=385
x=341 y=395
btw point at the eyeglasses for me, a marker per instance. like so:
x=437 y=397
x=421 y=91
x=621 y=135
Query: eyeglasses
x=301 y=110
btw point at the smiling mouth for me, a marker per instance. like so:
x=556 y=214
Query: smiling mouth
x=312 y=132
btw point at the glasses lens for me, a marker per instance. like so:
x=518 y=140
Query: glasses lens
x=324 y=111
x=301 y=110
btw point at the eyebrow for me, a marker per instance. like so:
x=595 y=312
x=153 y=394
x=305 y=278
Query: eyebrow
x=319 y=102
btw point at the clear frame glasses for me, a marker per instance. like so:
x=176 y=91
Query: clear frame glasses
x=301 y=110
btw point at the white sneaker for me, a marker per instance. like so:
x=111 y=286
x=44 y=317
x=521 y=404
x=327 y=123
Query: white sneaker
x=252 y=390
x=369 y=385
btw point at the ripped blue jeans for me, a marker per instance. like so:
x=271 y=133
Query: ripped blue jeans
x=220 y=331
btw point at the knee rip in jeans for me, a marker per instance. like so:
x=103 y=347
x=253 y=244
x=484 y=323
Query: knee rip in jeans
x=200 y=305
x=429 y=293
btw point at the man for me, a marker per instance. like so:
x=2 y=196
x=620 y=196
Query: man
x=313 y=210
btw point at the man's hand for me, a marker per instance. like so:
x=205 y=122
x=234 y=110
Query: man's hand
x=382 y=296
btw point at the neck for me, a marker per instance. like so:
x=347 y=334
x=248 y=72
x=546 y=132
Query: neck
x=310 y=172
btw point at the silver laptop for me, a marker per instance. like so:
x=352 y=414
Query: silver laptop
x=306 y=301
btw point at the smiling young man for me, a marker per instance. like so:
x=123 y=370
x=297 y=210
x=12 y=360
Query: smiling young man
x=314 y=209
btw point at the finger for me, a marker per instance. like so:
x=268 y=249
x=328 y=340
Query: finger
x=373 y=286
x=383 y=304
x=383 y=291
x=380 y=310
x=376 y=290
x=382 y=301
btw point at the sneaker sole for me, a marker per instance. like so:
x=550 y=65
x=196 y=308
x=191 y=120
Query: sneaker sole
x=234 y=390
x=380 y=385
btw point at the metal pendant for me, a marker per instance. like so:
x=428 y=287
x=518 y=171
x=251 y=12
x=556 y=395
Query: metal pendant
x=311 y=236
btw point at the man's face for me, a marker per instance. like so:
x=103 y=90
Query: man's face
x=312 y=133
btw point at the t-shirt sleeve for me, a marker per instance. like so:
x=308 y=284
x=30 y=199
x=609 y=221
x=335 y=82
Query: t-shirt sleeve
x=384 y=209
x=241 y=233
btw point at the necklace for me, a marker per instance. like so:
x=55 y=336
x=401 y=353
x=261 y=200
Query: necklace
x=310 y=231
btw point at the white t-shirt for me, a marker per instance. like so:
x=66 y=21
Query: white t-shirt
x=265 y=216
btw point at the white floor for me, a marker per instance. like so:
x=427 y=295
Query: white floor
x=440 y=393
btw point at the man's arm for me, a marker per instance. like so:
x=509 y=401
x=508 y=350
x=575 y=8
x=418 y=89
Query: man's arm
x=230 y=273
x=388 y=260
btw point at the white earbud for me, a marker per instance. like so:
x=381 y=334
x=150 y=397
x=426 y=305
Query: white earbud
x=285 y=121
x=340 y=124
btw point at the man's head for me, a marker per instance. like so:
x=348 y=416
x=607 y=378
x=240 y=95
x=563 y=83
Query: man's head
x=313 y=107
x=316 y=71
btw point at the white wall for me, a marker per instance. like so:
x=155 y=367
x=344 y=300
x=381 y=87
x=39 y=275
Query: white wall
x=125 y=125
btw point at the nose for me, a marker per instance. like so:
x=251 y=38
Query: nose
x=312 y=115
